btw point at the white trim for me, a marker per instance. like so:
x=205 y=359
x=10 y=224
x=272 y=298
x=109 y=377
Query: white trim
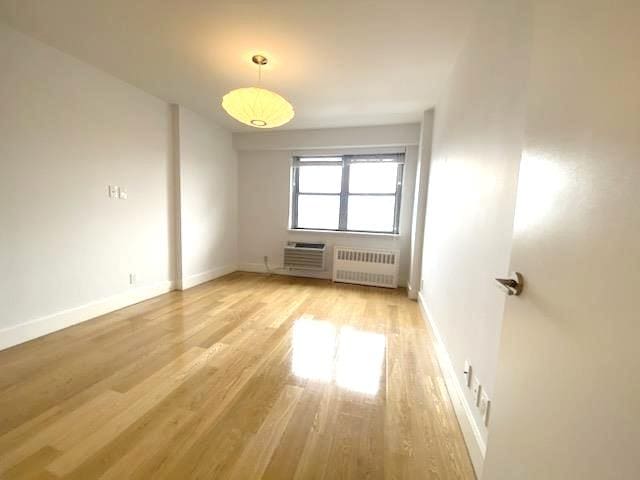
x=38 y=327
x=202 y=277
x=346 y=233
x=260 y=268
x=323 y=275
x=472 y=436
x=338 y=152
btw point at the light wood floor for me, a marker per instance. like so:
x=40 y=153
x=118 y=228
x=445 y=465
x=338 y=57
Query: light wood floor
x=245 y=377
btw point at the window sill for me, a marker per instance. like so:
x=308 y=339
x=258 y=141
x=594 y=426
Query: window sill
x=346 y=234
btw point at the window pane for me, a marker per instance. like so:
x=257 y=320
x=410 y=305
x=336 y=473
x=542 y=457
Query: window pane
x=319 y=211
x=320 y=178
x=373 y=177
x=371 y=213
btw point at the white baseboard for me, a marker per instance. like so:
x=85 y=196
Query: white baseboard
x=202 y=277
x=470 y=430
x=252 y=267
x=44 y=325
x=260 y=268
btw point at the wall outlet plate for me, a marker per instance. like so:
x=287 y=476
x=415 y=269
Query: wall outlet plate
x=132 y=279
x=122 y=194
x=468 y=371
x=475 y=388
x=484 y=406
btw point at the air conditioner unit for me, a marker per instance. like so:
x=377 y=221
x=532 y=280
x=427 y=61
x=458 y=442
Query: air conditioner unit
x=366 y=266
x=304 y=256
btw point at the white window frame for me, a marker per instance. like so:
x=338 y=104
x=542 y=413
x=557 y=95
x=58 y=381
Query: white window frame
x=346 y=162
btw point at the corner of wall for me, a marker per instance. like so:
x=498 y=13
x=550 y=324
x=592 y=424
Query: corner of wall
x=205 y=169
x=203 y=277
x=418 y=216
x=471 y=432
x=176 y=194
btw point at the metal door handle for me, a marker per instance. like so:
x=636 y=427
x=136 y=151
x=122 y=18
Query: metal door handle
x=512 y=285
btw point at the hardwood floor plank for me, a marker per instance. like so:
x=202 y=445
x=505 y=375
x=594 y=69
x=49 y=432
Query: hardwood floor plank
x=317 y=446
x=286 y=456
x=66 y=431
x=143 y=398
x=257 y=454
x=32 y=466
x=128 y=450
x=241 y=393
x=248 y=376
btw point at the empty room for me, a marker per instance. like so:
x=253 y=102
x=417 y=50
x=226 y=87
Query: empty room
x=352 y=239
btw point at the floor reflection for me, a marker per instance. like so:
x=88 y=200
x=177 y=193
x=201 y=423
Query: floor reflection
x=314 y=345
x=350 y=357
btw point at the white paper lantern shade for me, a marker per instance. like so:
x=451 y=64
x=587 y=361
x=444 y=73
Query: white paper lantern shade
x=257 y=107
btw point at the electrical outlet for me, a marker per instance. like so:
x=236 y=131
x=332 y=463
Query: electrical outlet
x=122 y=194
x=484 y=406
x=475 y=388
x=132 y=279
x=468 y=371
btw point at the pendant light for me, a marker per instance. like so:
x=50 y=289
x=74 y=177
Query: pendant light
x=257 y=106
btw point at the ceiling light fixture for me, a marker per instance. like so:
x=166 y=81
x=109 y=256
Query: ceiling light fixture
x=257 y=106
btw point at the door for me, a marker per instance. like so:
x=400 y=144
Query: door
x=567 y=401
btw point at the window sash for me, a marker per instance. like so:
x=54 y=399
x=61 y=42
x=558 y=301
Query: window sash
x=347 y=160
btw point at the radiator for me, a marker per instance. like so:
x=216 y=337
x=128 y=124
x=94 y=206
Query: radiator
x=366 y=266
x=304 y=256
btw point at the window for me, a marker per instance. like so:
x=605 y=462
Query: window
x=353 y=193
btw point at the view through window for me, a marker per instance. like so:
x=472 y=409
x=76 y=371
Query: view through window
x=355 y=193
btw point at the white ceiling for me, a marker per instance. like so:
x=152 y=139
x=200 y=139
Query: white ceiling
x=339 y=62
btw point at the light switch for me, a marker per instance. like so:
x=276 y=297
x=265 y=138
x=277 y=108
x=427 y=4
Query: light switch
x=113 y=191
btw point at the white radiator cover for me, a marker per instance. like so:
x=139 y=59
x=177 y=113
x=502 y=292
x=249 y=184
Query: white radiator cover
x=366 y=266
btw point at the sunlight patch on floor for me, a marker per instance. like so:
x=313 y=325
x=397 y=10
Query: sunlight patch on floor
x=350 y=357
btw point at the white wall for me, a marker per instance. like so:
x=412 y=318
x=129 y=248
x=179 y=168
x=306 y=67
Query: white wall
x=264 y=183
x=471 y=200
x=374 y=136
x=68 y=130
x=208 y=199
